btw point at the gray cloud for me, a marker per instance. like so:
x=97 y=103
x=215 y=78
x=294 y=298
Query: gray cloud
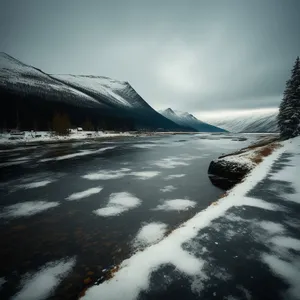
x=189 y=55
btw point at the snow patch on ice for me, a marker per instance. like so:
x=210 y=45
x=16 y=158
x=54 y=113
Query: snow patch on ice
x=144 y=146
x=84 y=194
x=2 y=281
x=149 y=234
x=41 y=285
x=145 y=174
x=118 y=203
x=286 y=242
x=170 y=177
x=176 y=204
x=77 y=154
x=287 y=271
x=26 y=209
x=168 y=188
x=107 y=174
x=170 y=162
x=271 y=227
x=36 y=184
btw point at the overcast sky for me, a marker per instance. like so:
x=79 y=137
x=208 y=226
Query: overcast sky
x=197 y=56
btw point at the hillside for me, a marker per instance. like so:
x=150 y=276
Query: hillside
x=255 y=123
x=32 y=97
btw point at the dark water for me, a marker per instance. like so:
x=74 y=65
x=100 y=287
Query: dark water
x=71 y=229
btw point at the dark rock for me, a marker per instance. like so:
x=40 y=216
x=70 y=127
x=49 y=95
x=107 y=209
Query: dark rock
x=225 y=174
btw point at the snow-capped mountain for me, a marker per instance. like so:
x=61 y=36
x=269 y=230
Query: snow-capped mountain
x=256 y=123
x=36 y=96
x=187 y=119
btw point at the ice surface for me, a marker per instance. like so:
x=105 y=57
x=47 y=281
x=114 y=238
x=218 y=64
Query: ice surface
x=118 y=203
x=134 y=273
x=84 y=194
x=42 y=284
x=149 y=234
x=168 y=188
x=26 y=209
x=176 y=204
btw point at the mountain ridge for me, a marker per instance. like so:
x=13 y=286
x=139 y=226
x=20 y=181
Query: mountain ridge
x=187 y=119
x=26 y=89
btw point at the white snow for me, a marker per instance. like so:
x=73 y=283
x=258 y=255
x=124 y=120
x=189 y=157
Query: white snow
x=170 y=177
x=47 y=136
x=110 y=211
x=107 y=174
x=149 y=234
x=37 y=184
x=176 y=204
x=81 y=153
x=170 y=162
x=26 y=209
x=287 y=271
x=100 y=85
x=168 y=188
x=145 y=174
x=145 y=146
x=286 y=242
x=84 y=194
x=134 y=273
x=118 y=203
x=271 y=227
x=41 y=285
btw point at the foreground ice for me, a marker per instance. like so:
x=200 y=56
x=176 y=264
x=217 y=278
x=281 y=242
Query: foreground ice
x=26 y=209
x=176 y=204
x=84 y=194
x=41 y=284
x=118 y=203
x=135 y=273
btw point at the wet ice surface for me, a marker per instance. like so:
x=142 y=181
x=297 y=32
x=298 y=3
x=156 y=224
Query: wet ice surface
x=245 y=247
x=86 y=201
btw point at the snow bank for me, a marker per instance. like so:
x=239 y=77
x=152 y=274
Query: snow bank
x=134 y=273
x=42 y=283
x=46 y=136
x=118 y=203
x=26 y=209
x=84 y=194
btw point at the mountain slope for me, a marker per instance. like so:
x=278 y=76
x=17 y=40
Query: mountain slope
x=187 y=119
x=35 y=97
x=256 y=123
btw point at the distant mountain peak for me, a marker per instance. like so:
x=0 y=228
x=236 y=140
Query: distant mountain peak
x=187 y=119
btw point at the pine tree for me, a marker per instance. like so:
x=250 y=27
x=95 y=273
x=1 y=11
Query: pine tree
x=289 y=110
